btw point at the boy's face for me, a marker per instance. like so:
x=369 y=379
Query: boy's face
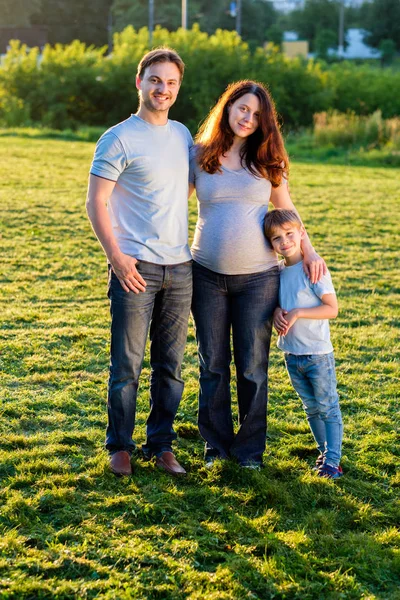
x=286 y=240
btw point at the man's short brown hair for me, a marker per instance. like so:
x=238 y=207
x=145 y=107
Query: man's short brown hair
x=279 y=217
x=160 y=55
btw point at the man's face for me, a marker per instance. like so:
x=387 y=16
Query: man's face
x=159 y=86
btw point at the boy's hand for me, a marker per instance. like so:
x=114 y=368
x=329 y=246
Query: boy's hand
x=280 y=322
x=291 y=318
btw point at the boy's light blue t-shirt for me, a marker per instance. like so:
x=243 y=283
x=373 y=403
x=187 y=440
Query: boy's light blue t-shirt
x=148 y=207
x=306 y=336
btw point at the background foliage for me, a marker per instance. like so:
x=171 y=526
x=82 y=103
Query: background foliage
x=74 y=84
x=317 y=21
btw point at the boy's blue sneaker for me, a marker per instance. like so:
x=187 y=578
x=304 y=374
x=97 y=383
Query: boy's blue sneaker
x=330 y=472
x=319 y=462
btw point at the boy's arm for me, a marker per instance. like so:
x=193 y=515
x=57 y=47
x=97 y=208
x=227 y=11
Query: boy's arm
x=327 y=310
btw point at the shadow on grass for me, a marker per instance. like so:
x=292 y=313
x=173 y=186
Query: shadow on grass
x=255 y=530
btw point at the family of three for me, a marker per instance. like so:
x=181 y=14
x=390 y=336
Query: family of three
x=142 y=173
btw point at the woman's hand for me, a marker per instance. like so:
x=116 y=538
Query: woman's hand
x=314 y=265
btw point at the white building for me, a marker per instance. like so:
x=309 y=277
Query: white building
x=356 y=47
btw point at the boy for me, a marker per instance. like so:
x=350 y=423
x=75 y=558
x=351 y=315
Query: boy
x=302 y=323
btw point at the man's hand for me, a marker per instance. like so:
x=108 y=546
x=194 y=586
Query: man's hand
x=280 y=322
x=124 y=266
x=314 y=265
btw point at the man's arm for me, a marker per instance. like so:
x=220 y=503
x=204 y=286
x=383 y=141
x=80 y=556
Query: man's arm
x=314 y=265
x=99 y=192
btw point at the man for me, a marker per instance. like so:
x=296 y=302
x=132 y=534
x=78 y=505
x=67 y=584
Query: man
x=137 y=204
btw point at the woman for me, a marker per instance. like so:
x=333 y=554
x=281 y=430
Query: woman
x=238 y=165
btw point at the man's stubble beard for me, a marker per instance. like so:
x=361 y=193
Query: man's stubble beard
x=150 y=107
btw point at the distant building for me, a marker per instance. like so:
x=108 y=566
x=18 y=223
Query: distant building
x=295 y=48
x=356 y=47
x=36 y=35
x=292 y=46
x=287 y=6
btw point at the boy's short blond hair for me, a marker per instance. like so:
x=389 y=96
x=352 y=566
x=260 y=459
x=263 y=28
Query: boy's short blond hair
x=279 y=217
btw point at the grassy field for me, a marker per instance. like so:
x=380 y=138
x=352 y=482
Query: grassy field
x=70 y=529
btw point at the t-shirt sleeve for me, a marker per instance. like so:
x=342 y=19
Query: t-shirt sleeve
x=189 y=138
x=192 y=165
x=324 y=286
x=109 y=157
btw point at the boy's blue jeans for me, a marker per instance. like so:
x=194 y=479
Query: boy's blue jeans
x=314 y=379
x=164 y=309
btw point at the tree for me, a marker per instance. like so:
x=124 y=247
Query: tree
x=381 y=18
x=17 y=13
x=316 y=15
x=388 y=49
x=136 y=13
x=325 y=39
x=274 y=34
x=257 y=16
x=85 y=20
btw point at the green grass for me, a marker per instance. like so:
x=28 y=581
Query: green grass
x=69 y=529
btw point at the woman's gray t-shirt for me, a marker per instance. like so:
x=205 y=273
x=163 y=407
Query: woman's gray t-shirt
x=229 y=236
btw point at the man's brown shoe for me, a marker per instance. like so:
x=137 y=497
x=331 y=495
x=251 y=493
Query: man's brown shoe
x=120 y=464
x=168 y=462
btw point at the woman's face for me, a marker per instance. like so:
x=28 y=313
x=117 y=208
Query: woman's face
x=244 y=115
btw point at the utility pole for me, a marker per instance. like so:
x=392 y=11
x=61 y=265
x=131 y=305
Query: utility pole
x=151 y=21
x=341 y=29
x=184 y=14
x=239 y=17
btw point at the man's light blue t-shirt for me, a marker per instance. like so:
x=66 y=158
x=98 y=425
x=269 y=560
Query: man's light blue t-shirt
x=306 y=336
x=148 y=207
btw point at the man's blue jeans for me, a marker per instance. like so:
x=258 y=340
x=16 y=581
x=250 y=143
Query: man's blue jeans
x=245 y=304
x=164 y=309
x=314 y=379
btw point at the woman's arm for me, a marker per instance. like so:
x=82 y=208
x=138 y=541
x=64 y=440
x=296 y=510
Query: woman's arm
x=314 y=265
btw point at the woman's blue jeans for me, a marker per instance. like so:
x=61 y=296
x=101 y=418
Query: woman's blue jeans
x=163 y=308
x=245 y=305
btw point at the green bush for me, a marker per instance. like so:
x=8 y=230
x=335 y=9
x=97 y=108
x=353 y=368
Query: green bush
x=71 y=85
x=364 y=89
x=59 y=89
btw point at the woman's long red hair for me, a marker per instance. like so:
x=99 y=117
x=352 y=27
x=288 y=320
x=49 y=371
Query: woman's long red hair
x=263 y=152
